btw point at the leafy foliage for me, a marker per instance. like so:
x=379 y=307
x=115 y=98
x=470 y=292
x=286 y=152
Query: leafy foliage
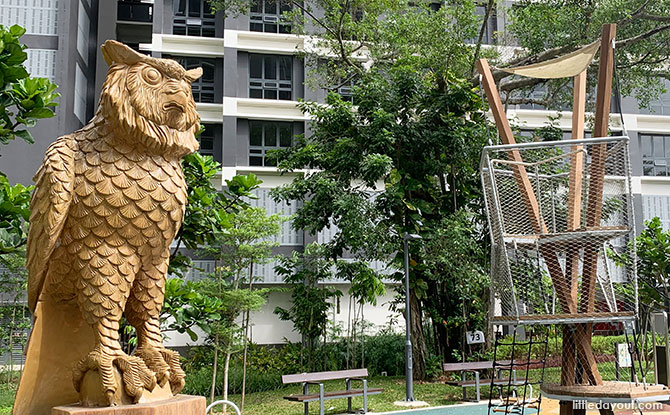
x=209 y=210
x=653 y=264
x=14 y=215
x=23 y=100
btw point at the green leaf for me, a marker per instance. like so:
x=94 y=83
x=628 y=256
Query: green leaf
x=17 y=31
x=25 y=134
x=40 y=113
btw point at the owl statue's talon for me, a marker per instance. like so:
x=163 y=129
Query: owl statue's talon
x=177 y=375
x=154 y=360
x=135 y=376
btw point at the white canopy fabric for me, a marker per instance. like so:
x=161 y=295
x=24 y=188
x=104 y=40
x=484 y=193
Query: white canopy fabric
x=565 y=66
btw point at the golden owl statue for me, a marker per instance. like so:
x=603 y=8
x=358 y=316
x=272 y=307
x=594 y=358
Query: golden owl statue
x=108 y=201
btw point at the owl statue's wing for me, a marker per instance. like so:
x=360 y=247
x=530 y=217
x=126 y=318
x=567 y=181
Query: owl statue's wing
x=48 y=211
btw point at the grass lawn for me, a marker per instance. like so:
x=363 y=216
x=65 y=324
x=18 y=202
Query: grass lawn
x=272 y=402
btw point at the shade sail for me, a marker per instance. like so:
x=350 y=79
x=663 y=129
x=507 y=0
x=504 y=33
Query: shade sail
x=564 y=66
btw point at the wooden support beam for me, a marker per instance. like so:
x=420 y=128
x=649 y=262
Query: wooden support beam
x=568 y=356
x=598 y=156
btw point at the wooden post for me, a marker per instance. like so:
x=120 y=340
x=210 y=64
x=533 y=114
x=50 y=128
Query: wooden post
x=595 y=202
x=568 y=356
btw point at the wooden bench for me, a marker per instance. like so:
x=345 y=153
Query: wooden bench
x=317 y=378
x=477 y=367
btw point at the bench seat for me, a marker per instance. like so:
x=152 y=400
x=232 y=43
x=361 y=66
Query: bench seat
x=332 y=395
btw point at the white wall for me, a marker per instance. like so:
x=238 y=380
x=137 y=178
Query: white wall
x=267 y=328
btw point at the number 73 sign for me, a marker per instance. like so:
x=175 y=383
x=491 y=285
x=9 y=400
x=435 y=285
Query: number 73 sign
x=475 y=337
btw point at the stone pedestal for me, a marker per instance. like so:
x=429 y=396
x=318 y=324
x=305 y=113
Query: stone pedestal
x=179 y=405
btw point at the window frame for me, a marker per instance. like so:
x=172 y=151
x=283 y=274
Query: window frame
x=267 y=22
x=205 y=20
x=652 y=164
x=271 y=86
x=260 y=151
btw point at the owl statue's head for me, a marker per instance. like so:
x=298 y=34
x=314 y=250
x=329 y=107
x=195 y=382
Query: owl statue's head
x=149 y=100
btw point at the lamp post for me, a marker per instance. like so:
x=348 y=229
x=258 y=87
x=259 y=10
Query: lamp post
x=409 y=381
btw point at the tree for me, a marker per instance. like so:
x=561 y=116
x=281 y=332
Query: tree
x=247 y=241
x=23 y=101
x=305 y=273
x=653 y=264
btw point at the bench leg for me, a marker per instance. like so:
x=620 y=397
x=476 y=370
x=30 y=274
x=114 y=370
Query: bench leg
x=322 y=409
x=348 y=381
x=305 y=391
x=477 y=385
x=465 y=390
x=365 y=396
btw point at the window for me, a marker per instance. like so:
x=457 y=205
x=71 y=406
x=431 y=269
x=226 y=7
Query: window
x=83 y=29
x=134 y=11
x=270 y=76
x=655 y=154
x=208 y=139
x=193 y=18
x=203 y=88
x=266 y=16
x=267 y=135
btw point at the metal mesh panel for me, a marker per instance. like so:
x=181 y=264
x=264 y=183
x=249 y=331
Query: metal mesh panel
x=555 y=209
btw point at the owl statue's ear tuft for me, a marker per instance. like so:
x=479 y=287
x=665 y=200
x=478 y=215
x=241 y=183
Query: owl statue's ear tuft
x=117 y=52
x=193 y=74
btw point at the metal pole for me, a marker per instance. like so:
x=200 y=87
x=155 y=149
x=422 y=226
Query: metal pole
x=409 y=387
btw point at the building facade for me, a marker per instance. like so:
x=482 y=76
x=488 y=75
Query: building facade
x=247 y=98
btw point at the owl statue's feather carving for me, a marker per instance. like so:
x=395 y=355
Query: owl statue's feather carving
x=108 y=201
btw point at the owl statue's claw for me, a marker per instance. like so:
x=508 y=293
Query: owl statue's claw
x=165 y=364
x=177 y=374
x=135 y=376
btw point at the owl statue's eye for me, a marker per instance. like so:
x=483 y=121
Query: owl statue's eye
x=151 y=76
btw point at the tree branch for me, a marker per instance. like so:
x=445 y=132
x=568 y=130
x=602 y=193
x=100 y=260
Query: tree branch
x=631 y=40
x=482 y=30
x=520 y=83
x=655 y=18
x=522 y=101
x=633 y=15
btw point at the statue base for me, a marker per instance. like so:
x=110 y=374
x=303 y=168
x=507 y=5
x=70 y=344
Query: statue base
x=178 y=405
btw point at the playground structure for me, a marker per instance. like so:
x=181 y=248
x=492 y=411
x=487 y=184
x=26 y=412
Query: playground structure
x=556 y=211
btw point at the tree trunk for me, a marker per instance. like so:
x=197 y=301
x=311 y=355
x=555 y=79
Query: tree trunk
x=244 y=362
x=226 y=370
x=418 y=339
x=214 y=367
x=245 y=321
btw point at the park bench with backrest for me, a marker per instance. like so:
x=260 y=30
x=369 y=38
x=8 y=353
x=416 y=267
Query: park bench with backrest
x=476 y=368
x=317 y=379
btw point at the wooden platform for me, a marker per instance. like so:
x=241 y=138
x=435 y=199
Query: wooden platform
x=565 y=318
x=608 y=392
x=178 y=405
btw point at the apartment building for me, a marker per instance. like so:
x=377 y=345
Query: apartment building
x=247 y=99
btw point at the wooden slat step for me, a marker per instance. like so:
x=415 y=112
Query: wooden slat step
x=332 y=395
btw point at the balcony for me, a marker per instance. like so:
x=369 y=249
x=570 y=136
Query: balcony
x=135 y=11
